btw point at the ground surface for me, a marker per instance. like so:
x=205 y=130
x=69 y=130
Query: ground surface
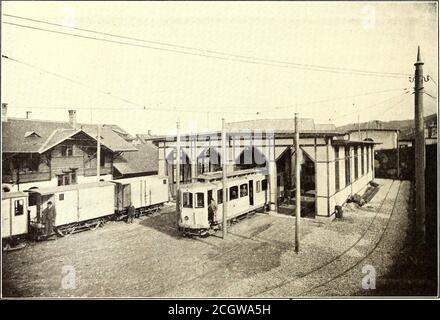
x=150 y=259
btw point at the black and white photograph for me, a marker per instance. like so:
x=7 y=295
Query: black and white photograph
x=217 y=150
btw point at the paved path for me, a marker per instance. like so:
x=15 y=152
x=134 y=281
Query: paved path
x=150 y=259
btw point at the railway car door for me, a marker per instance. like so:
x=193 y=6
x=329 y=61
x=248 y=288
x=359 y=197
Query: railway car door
x=251 y=192
x=126 y=195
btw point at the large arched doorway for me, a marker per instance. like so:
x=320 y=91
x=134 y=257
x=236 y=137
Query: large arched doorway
x=171 y=172
x=209 y=160
x=250 y=158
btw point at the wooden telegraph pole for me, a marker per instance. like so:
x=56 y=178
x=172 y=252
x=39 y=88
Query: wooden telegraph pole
x=419 y=149
x=298 y=185
x=178 y=169
x=224 y=180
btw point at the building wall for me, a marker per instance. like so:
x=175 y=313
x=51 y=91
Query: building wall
x=388 y=139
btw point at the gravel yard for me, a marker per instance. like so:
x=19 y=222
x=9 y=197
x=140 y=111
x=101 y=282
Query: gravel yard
x=149 y=258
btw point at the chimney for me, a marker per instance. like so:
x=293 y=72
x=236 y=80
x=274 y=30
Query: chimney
x=72 y=118
x=4 y=112
x=28 y=114
x=149 y=132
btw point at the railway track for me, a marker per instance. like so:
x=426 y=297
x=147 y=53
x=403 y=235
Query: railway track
x=327 y=267
x=258 y=239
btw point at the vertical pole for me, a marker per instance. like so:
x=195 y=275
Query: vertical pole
x=419 y=149
x=297 y=185
x=398 y=156
x=224 y=179
x=98 y=153
x=177 y=168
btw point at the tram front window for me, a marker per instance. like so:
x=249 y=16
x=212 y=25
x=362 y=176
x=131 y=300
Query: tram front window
x=200 y=202
x=187 y=200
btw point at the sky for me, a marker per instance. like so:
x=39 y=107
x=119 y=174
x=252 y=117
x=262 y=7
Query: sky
x=144 y=88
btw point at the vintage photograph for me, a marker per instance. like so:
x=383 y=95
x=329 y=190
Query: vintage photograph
x=219 y=149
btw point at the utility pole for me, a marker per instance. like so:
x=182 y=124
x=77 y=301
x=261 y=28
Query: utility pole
x=298 y=185
x=419 y=149
x=178 y=169
x=98 y=153
x=224 y=180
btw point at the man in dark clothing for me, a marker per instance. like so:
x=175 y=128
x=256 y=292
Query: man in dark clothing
x=131 y=213
x=49 y=215
x=212 y=211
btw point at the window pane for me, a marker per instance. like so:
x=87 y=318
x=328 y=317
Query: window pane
x=233 y=193
x=60 y=180
x=243 y=190
x=200 y=200
x=18 y=207
x=61 y=196
x=219 y=196
x=187 y=200
x=264 y=184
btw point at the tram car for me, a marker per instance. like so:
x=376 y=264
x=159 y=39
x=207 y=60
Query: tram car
x=15 y=217
x=245 y=193
x=147 y=194
x=78 y=207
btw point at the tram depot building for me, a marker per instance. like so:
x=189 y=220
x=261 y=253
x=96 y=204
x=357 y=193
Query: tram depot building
x=332 y=167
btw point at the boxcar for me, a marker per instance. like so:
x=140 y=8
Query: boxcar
x=15 y=216
x=145 y=193
x=244 y=194
x=77 y=206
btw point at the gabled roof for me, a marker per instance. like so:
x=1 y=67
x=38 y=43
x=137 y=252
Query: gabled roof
x=51 y=133
x=141 y=161
x=304 y=124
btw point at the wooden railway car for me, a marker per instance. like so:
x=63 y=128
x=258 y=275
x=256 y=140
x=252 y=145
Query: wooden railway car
x=78 y=207
x=147 y=194
x=15 y=217
x=245 y=194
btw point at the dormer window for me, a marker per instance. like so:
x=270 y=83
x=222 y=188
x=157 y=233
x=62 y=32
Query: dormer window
x=31 y=134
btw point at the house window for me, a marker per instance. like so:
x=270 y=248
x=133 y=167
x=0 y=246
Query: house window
x=67 y=179
x=337 y=169
x=61 y=197
x=243 y=190
x=67 y=151
x=347 y=166
x=73 y=177
x=200 y=203
x=164 y=181
x=356 y=163
x=187 y=200
x=18 y=207
x=219 y=196
x=233 y=193
x=368 y=159
x=102 y=160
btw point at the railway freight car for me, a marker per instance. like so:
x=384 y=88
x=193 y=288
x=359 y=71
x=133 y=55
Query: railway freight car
x=15 y=217
x=78 y=207
x=244 y=194
x=147 y=194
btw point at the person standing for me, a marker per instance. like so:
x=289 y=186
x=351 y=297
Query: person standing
x=49 y=215
x=131 y=213
x=212 y=211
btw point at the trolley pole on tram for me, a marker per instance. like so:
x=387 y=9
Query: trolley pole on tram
x=98 y=153
x=177 y=169
x=297 y=185
x=224 y=174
